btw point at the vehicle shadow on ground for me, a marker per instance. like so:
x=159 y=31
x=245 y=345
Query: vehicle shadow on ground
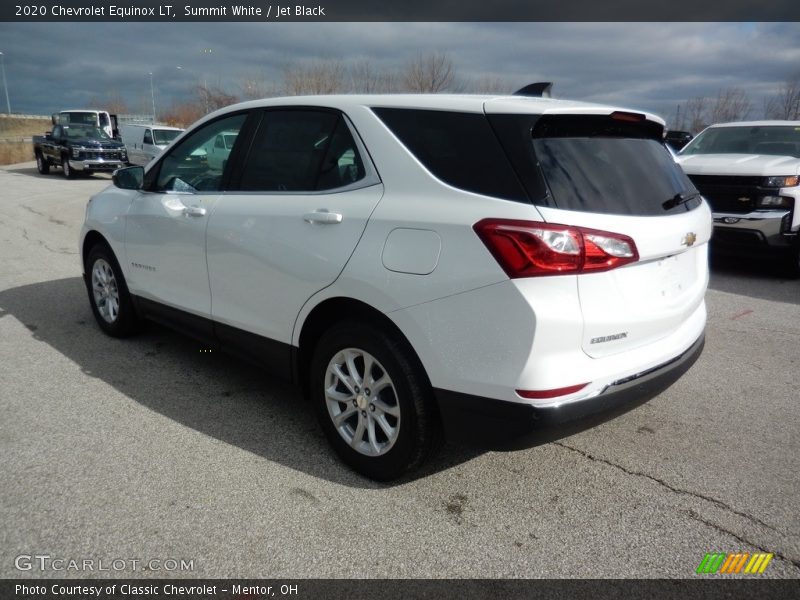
x=756 y=277
x=30 y=170
x=210 y=392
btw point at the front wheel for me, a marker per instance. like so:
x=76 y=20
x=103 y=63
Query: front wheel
x=373 y=400
x=108 y=294
x=793 y=261
x=69 y=172
x=41 y=164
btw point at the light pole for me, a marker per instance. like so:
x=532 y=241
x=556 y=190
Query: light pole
x=153 y=97
x=5 y=84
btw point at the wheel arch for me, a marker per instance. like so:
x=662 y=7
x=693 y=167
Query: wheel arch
x=92 y=238
x=334 y=310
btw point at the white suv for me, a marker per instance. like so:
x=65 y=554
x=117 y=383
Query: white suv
x=420 y=264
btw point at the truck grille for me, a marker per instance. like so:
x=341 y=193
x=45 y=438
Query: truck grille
x=730 y=193
x=104 y=154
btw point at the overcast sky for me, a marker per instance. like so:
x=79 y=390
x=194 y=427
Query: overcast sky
x=51 y=66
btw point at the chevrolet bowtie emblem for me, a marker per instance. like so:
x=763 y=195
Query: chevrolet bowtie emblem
x=690 y=238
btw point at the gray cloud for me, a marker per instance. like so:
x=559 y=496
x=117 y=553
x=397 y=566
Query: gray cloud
x=651 y=66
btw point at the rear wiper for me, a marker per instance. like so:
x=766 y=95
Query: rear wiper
x=680 y=198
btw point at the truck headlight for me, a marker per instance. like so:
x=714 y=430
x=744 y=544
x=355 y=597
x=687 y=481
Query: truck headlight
x=780 y=182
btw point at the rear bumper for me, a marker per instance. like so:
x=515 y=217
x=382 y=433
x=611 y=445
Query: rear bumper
x=484 y=420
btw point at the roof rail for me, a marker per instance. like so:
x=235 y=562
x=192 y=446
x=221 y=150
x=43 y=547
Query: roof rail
x=540 y=89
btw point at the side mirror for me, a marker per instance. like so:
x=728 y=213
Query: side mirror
x=130 y=178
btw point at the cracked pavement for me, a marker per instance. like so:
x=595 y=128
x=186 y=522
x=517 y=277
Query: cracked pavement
x=150 y=448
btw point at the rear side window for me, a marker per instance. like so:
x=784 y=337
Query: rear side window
x=460 y=149
x=597 y=164
x=301 y=151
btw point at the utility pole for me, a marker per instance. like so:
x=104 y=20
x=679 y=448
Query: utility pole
x=153 y=97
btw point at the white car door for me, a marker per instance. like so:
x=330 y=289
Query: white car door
x=305 y=193
x=166 y=224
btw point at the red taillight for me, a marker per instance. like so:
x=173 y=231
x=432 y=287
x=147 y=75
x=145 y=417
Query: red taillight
x=540 y=394
x=530 y=249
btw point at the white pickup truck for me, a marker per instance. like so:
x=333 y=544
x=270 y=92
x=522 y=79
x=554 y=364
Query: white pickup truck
x=749 y=173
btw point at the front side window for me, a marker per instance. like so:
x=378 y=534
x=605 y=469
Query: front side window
x=187 y=168
x=162 y=137
x=301 y=151
x=148 y=137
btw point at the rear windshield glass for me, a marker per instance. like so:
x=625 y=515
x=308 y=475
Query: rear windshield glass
x=611 y=175
x=596 y=164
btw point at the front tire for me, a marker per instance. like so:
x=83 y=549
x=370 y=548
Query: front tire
x=69 y=172
x=41 y=164
x=793 y=261
x=108 y=293
x=373 y=400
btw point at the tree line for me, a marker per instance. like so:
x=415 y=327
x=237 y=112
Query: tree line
x=435 y=72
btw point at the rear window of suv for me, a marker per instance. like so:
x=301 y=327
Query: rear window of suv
x=458 y=148
x=593 y=163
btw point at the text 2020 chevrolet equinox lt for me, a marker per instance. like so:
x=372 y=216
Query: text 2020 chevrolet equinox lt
x=415 y=260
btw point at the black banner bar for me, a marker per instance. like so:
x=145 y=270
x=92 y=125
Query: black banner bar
x=736 y=588
x=407 y=10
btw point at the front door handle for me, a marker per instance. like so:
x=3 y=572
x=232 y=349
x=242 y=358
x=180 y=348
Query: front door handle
x=322 y=216
x=194 y=211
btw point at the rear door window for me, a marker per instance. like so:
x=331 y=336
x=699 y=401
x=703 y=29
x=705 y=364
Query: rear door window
x=301 y=151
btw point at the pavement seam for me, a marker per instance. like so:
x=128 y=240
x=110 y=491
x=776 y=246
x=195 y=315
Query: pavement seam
x=671 y=488
x=693 y=515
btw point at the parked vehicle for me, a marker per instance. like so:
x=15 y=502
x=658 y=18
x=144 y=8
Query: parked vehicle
x=677 y=139
x=750 y=174
x=145 y=142
x=470 y=264
x=88 y=117
x=78 y=148
x=218 y=149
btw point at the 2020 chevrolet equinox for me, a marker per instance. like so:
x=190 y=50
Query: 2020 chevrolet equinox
x=416 y=262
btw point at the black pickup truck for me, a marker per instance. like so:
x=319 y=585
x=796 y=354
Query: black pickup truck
x=78 y=148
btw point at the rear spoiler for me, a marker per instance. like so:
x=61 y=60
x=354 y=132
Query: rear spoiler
x=540 y=89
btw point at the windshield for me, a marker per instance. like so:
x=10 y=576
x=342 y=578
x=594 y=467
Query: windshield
x=74 y=132
x=230 y=138
x=774 y=140
x=164 y=136
x=79 y=118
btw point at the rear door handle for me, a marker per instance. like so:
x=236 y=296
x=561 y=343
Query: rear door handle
x=194 y=211
x=322 y=216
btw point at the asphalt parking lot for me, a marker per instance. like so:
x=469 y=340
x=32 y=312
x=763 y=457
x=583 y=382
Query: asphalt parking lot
x=150 y=449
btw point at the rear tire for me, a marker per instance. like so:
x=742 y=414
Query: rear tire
x=108 y=293
x=382 y=432
x=41 y=164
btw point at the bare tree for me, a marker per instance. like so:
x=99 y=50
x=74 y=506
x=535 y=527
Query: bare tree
x=785 y=104
x=487 y=84
x=213 y=97
x=320 y=77
x=255 y=85
x=731 y=104
x=429 y=73
x=365 y=78
x=695 y=113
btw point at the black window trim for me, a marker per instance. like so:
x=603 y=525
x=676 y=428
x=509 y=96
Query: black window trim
x=370 y=179
x=246 y=132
